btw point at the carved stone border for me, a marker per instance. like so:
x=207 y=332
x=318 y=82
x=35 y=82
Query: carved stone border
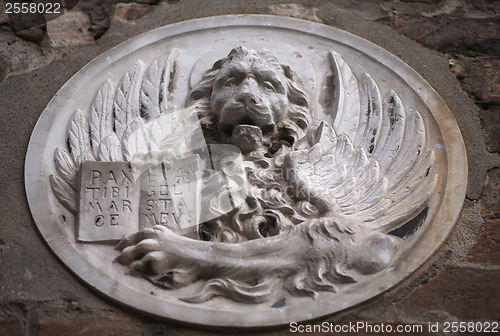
x=47 y=134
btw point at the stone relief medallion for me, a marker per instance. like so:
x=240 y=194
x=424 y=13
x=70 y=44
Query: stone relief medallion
x=245 y=171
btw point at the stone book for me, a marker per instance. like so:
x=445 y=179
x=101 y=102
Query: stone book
x=114 y=201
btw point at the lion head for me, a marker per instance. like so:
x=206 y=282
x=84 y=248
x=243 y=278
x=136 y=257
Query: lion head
x=252 y=101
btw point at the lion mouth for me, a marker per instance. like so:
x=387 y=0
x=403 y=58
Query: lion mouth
x=249 y=113
x=245 y=135
x=227 y=130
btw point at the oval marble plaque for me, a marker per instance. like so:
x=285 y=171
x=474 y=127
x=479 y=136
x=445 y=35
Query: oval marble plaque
x=245 y=171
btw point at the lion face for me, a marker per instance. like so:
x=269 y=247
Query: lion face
x=250 y=100
x=249 y=97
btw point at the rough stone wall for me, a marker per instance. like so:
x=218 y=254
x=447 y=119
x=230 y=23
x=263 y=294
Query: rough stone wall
x=453 y=44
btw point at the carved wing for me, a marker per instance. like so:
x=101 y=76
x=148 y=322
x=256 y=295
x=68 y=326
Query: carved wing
x=371 y=165
x=123 y=121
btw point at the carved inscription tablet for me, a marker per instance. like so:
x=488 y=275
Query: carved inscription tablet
x=184 y=177
x=170 y=195
x=108 y=202
x=157 y=207
x=245 y=171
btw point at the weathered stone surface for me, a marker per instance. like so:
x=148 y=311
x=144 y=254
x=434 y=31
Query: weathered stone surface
x=11 y=327
x=18 y=319
x=106 y=325
x=490 y=200
x=445 y=33
x=452 y=8
x=64 y=317
x=100 y=13
x=479 y=76
x=129 y=12
x=69 y=31
x=19 y=56
x=35 y=34
x=28 y=42
x=455 y=293
x=487 y=247
x=26 y=50
x=31 y=27
x=490 y=122
x=295 y=10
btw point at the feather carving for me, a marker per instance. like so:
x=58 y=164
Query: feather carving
x=110 y=149
x=126 y=104
x=136 y=139
x=372 y=165
x=347 y=96
x=101 y=117
x=370 y=119
x=65 y=166
x=64 y=193
x=156 y=86
x=79 y=139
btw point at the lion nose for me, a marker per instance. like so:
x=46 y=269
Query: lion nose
x=248 y=90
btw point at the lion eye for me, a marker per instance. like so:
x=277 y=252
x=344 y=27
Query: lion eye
x=269 y=86
x=231 y=81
